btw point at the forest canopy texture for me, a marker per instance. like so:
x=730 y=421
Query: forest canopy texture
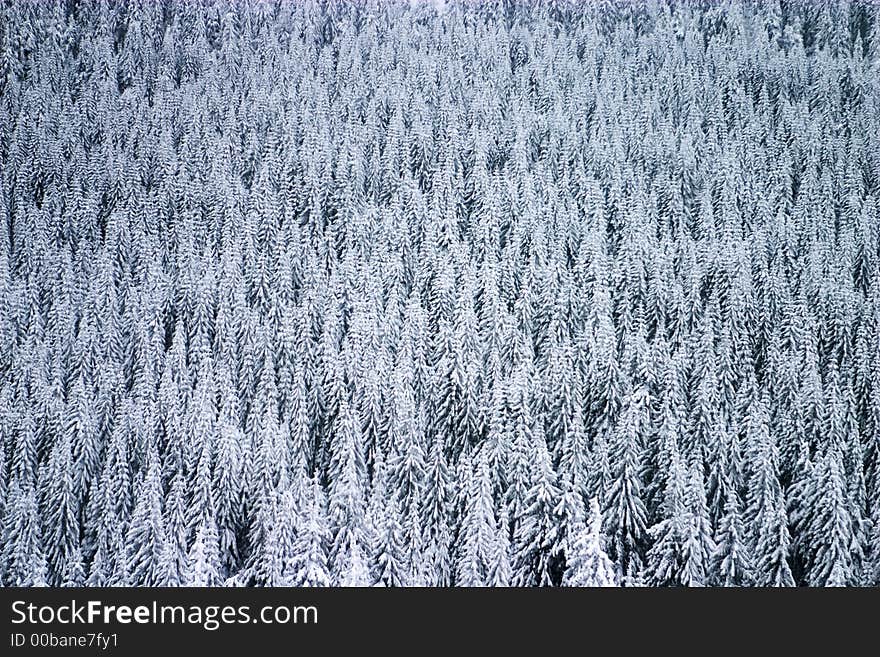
x=462 y=293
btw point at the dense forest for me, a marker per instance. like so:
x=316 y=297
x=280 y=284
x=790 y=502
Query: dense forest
x=354 y=293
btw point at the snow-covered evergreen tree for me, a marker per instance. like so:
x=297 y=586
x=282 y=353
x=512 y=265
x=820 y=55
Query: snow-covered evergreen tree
x=586 y=563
